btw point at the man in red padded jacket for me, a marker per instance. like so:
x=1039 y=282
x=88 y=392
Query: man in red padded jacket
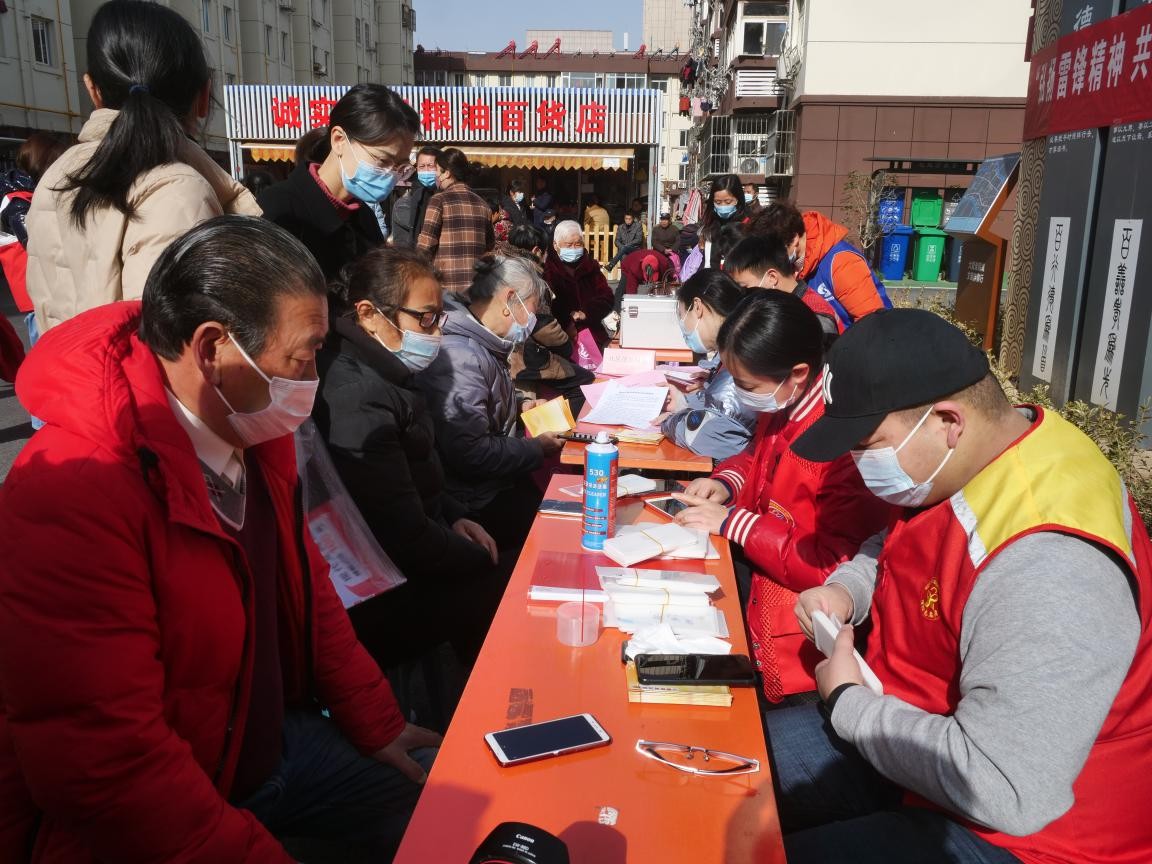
x=178 y=680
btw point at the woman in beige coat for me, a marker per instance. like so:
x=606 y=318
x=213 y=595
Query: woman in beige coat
x=109 y=206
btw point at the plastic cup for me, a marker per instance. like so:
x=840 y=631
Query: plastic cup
x=578 y=624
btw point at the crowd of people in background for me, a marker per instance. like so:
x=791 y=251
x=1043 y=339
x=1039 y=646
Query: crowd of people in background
x=179 y=680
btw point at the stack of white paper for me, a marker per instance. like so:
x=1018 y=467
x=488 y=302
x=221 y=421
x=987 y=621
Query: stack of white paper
x=673 y=581
x=684 y=621
x=634 y=484
x=647 y=541
x=636 y=407
x=700 y=546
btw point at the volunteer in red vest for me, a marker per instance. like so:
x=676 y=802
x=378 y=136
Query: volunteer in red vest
x=178 y=680
x=761 y=262
x=794 y=520
x=1011 y=627
x=835 y=269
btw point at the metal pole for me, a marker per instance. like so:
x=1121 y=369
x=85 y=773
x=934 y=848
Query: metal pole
x=654 y=188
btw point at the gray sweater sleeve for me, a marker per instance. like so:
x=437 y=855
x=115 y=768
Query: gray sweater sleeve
x=1047 y=637
x=859 y=575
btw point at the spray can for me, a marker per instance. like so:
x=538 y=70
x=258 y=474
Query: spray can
x=601 y=467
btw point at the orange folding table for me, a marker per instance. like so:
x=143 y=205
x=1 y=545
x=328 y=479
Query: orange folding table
x=665 y=456
x=611 y=805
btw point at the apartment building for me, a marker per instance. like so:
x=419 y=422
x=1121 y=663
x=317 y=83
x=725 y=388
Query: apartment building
x=799 y=95
x=43 y=55
x=743 y=125
x=924 y=81
x=38 y=80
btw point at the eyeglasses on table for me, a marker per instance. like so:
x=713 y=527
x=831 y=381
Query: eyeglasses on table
x=682 y=758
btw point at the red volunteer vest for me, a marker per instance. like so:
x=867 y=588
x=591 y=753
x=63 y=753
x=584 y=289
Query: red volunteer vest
x=1052 y=479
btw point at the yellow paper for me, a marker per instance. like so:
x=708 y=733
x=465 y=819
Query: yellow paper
x=553 y=416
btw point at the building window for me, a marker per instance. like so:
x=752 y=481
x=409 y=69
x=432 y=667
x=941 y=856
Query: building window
x=441 y=78
x=268 y=41
x=369 y=45
x=505 y=80
x=227 y=24
x=43 y=38
x=229 y=78
x=459 y=79
x=479 y=79
x=357 y=31
x=283 y=46
x=683 y=137
x=660 y=84
x=206 y=15
x=582 y=79
x=529 y=80
x=763 y=26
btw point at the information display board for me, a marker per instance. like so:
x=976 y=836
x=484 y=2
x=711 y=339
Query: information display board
x=974 y=212
x=1063 y=238
x=1115 y=366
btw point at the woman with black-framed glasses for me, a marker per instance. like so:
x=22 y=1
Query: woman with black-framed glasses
x=385 y=328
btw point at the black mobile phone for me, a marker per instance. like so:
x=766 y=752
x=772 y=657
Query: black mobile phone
x=735 y=670
x=561 y=508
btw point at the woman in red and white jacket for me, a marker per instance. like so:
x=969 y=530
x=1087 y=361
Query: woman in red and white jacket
x=795 y=520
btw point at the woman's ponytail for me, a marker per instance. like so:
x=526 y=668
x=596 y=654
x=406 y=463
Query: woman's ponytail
x=147 y=62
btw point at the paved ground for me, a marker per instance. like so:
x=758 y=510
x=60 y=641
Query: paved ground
x=15 y=428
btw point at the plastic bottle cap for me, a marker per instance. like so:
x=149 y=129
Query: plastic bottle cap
x=602 y=437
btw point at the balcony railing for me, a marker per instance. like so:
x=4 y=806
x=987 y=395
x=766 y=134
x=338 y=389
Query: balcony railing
x=760 y=144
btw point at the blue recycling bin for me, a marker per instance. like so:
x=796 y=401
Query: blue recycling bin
x=894 y=253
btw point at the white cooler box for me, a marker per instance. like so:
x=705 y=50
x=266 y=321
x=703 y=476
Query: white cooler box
x=650 y=322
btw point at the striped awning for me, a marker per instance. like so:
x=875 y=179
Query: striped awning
x=271 y=152
x=614 y=159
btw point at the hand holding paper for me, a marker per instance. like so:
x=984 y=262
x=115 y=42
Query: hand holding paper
x=553 y=416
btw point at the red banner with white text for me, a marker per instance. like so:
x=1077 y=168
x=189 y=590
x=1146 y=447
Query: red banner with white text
x=1098 y=76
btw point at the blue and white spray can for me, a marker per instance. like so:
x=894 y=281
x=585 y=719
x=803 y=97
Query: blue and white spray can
x=601 y=468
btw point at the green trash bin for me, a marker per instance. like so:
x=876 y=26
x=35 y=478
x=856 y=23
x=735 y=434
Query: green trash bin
x=927 y=208
x=929 y=255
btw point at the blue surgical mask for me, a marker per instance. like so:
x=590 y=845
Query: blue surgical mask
x=417 y=350
x=725 y=211
x=520 y=332
x=571 y=256
x=749 y=197
x=692 y=338
x=370 y=184
x=885 y=478
x=427 y=179
x=763 y=403
x=518 y=197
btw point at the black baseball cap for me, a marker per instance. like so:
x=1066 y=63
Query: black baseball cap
x=887 y=361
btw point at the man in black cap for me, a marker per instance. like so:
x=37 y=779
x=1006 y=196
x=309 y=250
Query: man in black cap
x=1010 y=604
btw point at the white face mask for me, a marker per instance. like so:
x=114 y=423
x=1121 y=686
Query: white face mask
x=885 y=478
x=763 y=403
x=290 y=404
x=417 y=350
x=518 y=332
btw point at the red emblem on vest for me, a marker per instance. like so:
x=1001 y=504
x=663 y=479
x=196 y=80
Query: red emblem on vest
x=930 y=602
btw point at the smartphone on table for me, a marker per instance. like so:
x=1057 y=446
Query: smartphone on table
x=667 y=505
x=735 y=670
x=550 y=738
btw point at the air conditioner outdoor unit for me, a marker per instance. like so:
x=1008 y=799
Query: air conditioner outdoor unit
x=285 y=4
x=319 y=69
x=753 y=165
